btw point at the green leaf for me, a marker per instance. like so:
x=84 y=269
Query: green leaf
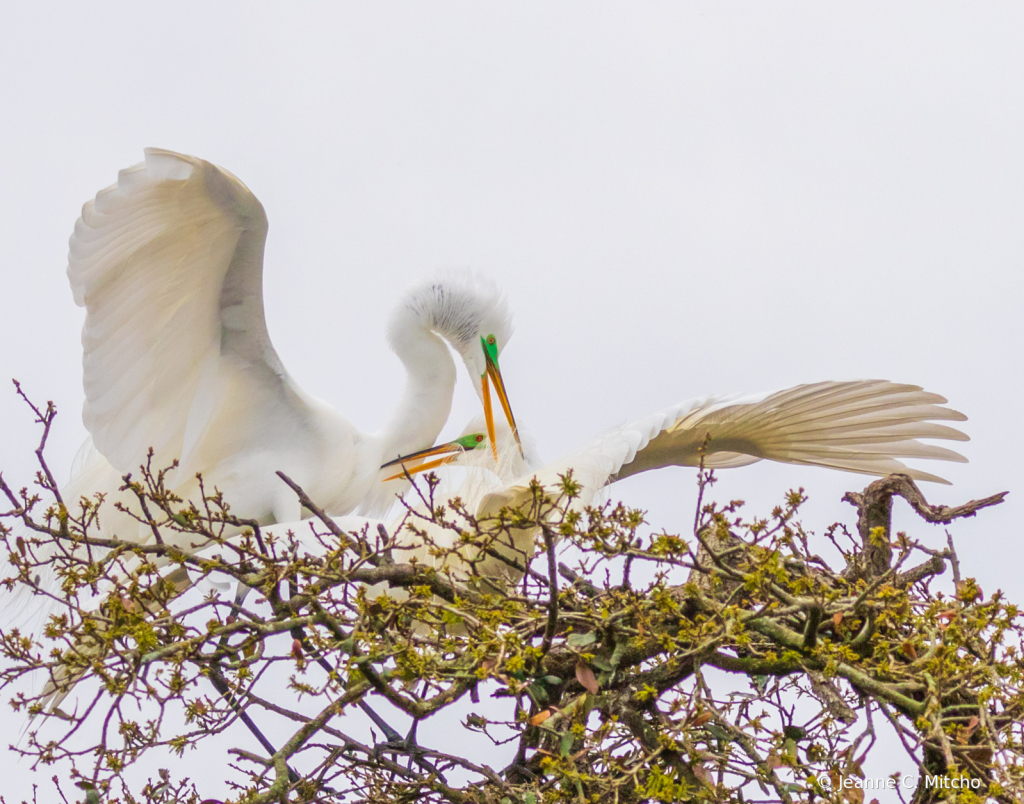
x=538 y=693
x=566 y=746
x=794 y=733
x=582 y=640
x=718 y=732
x=554 y=681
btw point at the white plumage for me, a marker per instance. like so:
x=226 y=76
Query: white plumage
x=168 y=264
x=861 y=426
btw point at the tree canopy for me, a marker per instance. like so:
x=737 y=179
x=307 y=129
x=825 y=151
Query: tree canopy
x=744 y=660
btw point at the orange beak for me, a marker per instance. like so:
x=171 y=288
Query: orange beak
x=448 y=452
x=493 y=375
x=489 y=413
x=423 y=467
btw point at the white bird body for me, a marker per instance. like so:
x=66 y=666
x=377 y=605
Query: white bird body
x=862 y=426
x=168 y=264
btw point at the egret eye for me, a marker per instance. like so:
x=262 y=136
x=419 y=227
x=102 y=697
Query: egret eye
x=491 y=340
x=479 y=438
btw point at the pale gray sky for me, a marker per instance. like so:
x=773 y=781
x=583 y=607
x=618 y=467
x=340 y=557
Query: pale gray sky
x=679 y=199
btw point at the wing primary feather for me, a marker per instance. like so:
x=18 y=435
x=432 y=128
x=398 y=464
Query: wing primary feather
x=168 y=263
x=860 y=426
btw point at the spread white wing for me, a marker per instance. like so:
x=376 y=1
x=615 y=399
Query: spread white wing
x=168 y=263
x=863 y=426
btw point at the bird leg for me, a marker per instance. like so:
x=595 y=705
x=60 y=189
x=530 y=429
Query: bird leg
x=393 y=741
x=397 y=743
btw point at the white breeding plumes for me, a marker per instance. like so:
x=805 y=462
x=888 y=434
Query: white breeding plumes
x=177 y=359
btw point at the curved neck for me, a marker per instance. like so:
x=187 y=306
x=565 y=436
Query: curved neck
x=426 y=400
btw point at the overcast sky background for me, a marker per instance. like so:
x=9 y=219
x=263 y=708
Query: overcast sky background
x=678 y=199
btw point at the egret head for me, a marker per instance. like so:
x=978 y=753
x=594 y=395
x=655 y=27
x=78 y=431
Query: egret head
x=471 y=314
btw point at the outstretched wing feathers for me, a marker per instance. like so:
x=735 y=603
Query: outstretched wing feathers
x=168 y=264
x=878 y=467
x=862 y=426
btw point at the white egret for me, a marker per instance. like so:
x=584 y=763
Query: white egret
x=177 y=359
x=168 y=264
x=861 y=426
